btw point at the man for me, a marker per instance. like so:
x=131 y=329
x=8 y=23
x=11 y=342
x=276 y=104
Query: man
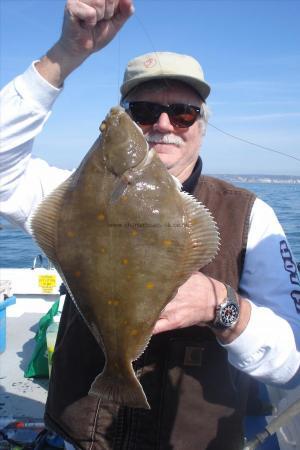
x=197 y=399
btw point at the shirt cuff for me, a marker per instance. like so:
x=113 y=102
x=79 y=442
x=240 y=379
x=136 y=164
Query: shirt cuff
x=266 y=349
x=33 y=87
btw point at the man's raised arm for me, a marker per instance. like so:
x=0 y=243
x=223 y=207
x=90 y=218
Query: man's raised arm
x=27 y=101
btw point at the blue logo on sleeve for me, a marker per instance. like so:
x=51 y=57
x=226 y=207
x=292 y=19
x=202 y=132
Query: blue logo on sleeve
x=290 y=266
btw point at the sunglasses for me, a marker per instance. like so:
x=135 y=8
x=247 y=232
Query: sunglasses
x=147 y=113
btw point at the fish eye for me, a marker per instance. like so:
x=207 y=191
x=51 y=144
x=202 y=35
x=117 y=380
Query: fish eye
x=103 y=126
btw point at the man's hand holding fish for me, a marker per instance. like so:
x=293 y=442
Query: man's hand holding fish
x=195 y=304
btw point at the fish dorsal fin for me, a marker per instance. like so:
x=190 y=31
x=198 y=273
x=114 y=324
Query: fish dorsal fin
x=204 y=241
x=177 y=182
x=43 y=223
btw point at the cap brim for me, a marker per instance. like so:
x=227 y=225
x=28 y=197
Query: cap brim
x=201 y=87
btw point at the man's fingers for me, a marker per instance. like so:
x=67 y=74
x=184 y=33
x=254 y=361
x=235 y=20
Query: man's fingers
x=110 y=6
x=83 y=12
x=93 y=11
x=124 y=11
x=126 y=7
x=162 y=325
x=90 y=25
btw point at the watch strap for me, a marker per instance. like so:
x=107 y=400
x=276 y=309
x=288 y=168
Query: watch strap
x=227 y=312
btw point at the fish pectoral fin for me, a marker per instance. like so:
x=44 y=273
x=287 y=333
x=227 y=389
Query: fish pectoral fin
x=119 y=386
x=43 y=223
x=204 y=241
x=120 y=188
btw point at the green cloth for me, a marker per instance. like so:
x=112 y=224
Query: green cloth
x=38 y=366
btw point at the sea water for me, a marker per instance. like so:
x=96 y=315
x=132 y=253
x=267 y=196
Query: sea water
x=285 y=200
x=19 y=250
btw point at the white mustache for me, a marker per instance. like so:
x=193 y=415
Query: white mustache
x=160 y=138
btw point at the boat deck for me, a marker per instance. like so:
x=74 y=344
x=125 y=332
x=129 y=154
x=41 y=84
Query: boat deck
x=20 y=397
x=35 y=292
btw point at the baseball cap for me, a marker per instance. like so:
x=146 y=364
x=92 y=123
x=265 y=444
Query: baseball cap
x=169 y=65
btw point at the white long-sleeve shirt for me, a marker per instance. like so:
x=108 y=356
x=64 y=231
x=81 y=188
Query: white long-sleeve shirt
x=268 y=348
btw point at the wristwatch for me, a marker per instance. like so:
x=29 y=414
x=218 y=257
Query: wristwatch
x=228 y=312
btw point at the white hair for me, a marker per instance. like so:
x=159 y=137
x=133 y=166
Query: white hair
x=205 y=115
x=163 y=138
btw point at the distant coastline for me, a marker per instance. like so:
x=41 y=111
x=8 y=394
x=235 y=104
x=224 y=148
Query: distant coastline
x=264 y=179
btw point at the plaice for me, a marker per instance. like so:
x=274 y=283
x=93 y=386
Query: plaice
x=124 y=239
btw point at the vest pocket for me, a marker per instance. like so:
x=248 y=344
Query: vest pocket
x=199 y=404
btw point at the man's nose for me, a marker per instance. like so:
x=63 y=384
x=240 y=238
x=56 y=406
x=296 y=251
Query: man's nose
x=163 y=123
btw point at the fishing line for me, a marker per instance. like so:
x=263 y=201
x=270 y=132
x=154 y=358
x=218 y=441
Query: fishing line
x=119 y=66
x=144 y=29
x=263 y=147
x=147 y=36
x=247 y=141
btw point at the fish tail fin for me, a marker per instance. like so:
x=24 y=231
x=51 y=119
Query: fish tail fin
x=120 y=387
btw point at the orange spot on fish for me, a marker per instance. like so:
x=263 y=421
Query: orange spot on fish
x=134 y=233
x=103 y=250
x=100 y=217
x=125 y=261
x=167 y=243
x=150 y=285
x=71 y=234
x=77 y=273
x=124 y=198
x=134 y=332
x=113 y=302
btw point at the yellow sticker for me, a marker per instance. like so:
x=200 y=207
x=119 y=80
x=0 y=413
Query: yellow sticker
x=47 y=283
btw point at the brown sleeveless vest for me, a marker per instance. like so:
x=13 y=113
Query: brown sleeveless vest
x=197 y=399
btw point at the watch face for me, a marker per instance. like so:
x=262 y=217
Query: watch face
x=229 y=314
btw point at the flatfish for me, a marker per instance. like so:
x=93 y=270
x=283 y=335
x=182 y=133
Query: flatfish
x=124 y=238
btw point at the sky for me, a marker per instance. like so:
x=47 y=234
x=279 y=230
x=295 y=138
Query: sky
x=249 y=51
